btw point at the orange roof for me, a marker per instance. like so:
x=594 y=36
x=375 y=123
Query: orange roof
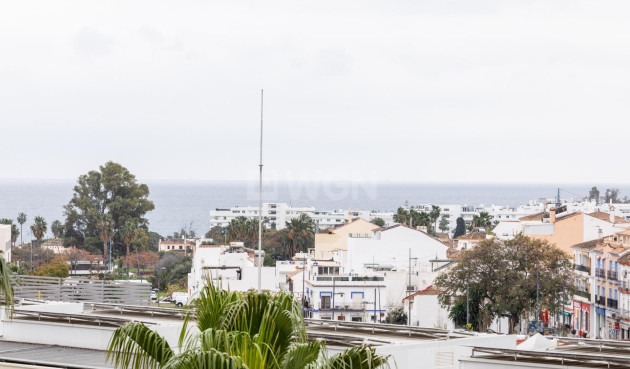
x=331 y=230
x=606 y=216
x=537 y=216
x=426 y=292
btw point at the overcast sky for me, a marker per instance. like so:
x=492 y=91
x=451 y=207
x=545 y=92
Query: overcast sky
x=454 y=91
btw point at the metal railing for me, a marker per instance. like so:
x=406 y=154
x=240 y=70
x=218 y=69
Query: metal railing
x=612 y=303
x=584 y=294
x=600 y=273
x=600 y=300
x=582 y=268
x=612 y=275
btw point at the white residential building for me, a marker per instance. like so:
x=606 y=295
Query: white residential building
x=5 y=241
x=277 y=214
x=233 y=266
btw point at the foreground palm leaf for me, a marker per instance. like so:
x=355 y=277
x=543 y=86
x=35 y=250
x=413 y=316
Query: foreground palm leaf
x=250 y=330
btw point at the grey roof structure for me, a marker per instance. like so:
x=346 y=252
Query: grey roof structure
x=51 y=356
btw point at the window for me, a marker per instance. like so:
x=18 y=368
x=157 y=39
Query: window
x=180 y=247
x=357 y=319
x=325 y=303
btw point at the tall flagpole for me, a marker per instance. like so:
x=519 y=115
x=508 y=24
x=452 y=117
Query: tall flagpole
x=260 y=261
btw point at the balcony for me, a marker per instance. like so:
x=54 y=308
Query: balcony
x=624 y=286
x=341 y=306
x=582 y=268
x=612 y=303
x=601 y=300
x=600 y=273
x=585 y=294
x=612 y=275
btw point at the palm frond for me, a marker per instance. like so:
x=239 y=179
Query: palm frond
x=359 y=357
x=199 y=359
x=6 y=290
x=135 y=346
x=301 y=355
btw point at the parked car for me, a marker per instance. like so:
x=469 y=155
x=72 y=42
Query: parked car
x=153 y=295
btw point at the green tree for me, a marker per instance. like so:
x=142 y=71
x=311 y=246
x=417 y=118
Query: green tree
x=21 y=219
x=300 y=234
x=55 y=268
x=379 y=222
x=110 y=190
x=434 y=214
x=611 y=195
x=443 y=226
x=402 y=216
x=105 y=227
x=483 y=220
x=460 y=227
x=56 y=227
x=396 y=315
x=39 y=228
x=243 y=229
x=263 y=331
x=593 y=194
x=129 y=233
x=217 y=234
x=506 y=272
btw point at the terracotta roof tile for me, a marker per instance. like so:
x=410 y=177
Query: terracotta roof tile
x=533 y=217
x=606 y=216
x=427 y=291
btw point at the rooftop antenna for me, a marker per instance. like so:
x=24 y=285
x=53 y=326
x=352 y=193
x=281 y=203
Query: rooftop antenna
x=260 y=198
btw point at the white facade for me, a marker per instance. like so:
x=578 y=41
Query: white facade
x=5 y=241
x=233 y=267
x=392 y=246
x=277 y=214
x=507 y=229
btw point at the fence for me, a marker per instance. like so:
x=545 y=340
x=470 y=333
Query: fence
x=81 y=290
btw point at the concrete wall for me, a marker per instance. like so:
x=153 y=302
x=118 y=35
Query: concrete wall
x=5 y=241
x=392 y=247
x=441 y=354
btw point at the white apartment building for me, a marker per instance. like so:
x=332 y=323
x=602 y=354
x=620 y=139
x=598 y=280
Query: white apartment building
x=277 y=214
x=233 y=267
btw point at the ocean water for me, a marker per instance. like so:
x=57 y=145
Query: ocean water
x=188 y=203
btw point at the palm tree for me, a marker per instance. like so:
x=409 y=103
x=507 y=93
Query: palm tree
x=434 y=214
x=243 y=229
x=105 y=232
x=483 y=220
x=39 y=228
x=299 y=234
x=129 y=233
x=21 y=219
x=56 y=227
x=251 y=330
x=401 y=216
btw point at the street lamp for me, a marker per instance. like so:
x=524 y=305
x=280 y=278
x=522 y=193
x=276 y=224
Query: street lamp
x=158 y=286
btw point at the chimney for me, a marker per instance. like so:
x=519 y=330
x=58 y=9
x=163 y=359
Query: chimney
x=611 y=213
x=552 y=215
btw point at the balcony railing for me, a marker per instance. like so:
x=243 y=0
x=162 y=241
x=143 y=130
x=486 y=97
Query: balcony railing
x=582 y=268
x=584 y=294
x=612 y=303
x=612 y=275
x=601 y=300
x=625 y=286
x=341 y=306
x=600 y=273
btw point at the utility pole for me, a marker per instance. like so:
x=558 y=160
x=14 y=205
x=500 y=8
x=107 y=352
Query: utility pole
x=260 y=198
x=333 y=299
x=467 y=303
x=303 y=282
x=537 y=290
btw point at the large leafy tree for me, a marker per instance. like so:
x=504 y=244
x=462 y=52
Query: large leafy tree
x=251 y=330
x=443 y=226
x=299 y=234
x=112 y=190
x=21 y=219
x=39 y=228
x=506 y=274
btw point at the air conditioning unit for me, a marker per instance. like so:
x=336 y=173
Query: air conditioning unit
x=411 y=288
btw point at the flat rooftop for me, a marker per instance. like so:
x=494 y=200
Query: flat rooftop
x=569 y=352
x=51 y=356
